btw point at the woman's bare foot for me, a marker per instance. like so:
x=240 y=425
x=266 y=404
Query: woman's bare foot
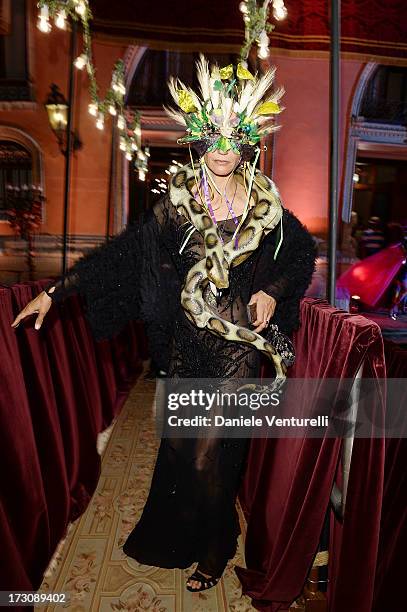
x=194 y=584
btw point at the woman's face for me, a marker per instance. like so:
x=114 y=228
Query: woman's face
x=221 y=163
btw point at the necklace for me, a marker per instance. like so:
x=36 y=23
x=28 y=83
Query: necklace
x=230 y=206
x=204 y=182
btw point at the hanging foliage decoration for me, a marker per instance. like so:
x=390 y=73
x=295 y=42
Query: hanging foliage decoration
x=113 y=103
x=257 y=26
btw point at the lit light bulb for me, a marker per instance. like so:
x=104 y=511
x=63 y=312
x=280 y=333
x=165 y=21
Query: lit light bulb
x=112 y=110
x=81 y=61
x=142 y=175
x=243 y=7
x=121 y=123
x=44 y=26
x=147 y=152
x=263 y=52
x=58 y=117
x=80 y=8
x=134 y=146
x=93 y=109
x=279 y=13
x=44 y=12
x=122 y=144
x=43 y=20
x=60 y=20
x=263 y=39
x=129 y=155
x=100 y=123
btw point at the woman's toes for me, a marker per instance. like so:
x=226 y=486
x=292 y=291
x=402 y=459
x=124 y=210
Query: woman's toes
x=194 y=584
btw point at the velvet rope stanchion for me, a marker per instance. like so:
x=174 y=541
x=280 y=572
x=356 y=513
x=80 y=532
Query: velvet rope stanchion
x=287 y=486
x=58 y=390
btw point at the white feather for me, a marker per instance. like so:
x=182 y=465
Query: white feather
x=204 y=77
x=259 y=89
x=276 y=95
x=215 y=95
x=245 y=96
x=269 y=129
x=173 y=86
x=176 y=116
x=227 y=105
x=197 y=101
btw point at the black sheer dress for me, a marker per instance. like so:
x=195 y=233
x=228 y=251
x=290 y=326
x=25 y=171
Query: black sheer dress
x=190 y=512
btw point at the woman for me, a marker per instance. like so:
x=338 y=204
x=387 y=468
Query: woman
x=223 y=237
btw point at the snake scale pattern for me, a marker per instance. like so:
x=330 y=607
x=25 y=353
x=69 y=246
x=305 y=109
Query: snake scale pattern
x=196 y=295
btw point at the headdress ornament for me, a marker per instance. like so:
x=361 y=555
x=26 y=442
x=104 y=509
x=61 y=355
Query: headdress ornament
x=233 y=111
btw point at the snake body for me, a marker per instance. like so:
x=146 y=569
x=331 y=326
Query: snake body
x=196 y=294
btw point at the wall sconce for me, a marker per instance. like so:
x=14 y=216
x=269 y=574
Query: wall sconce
x=57 y=109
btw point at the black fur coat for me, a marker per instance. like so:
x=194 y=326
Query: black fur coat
x=139 y=275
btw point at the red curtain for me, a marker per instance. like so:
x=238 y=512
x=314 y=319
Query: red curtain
x=58 y=389
x=287 y=485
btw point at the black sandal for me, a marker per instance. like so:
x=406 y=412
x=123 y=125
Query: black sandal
x=206 y=583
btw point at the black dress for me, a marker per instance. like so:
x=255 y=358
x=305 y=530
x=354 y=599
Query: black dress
x=190 y=512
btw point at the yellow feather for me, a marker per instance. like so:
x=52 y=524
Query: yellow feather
x=186 y=101
x=268 y=108
x=226 y=72
x=243 y=73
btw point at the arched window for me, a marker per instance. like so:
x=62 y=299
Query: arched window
x=377 y=131
x=149 y=84
x=16 y=170
x=385 y=97
x=14 y=58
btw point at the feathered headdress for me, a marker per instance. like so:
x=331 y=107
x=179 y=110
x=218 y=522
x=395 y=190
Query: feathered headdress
x=233 y=109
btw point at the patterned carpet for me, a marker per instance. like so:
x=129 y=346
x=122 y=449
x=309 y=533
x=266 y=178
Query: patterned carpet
x=89 y=565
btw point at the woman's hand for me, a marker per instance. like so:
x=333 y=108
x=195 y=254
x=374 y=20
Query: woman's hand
x=265 y=307
x=41 y=304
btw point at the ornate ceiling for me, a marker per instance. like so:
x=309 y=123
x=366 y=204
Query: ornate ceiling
x=371 y=29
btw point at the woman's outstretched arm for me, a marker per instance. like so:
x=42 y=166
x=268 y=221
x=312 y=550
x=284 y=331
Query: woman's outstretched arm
x=116 y=279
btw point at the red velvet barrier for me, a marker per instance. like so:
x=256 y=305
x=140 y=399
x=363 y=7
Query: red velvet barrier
x=58 y=389
x=287 y=486
x=390 y=571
